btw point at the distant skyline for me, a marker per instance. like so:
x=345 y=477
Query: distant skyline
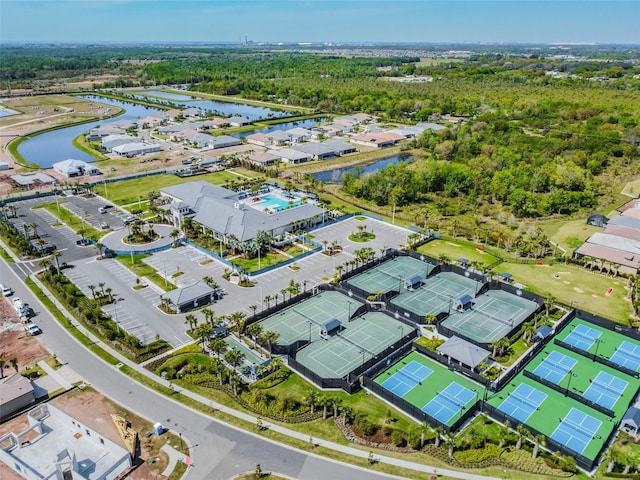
x=336 y=21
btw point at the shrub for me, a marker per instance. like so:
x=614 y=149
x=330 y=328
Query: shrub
x=397 y=437
x=365 y=426
x=568 y=464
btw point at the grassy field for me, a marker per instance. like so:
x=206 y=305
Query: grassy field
x=141 y=269
x=456 y=249
x=568 y=283
x=131 y=191
x=568 y=234
x=76 y=224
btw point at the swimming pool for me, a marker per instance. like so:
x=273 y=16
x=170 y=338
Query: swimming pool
x=275 y=203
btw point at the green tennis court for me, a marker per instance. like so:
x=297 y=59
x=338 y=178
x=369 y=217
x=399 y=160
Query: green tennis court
x=361 y=339
x=569 y=421
x=431 y=387
x=303 y=320
x=494 y=314
x=436 y=294
x=594 y=340
x=390 y=275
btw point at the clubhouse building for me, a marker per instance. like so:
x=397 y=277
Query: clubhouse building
x=241 y=215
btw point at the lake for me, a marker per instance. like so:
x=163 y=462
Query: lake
x=308 y=124
x=222 y=109
x=335 y=175
x=55 y=146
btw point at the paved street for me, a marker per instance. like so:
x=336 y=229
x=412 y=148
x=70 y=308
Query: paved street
x=218 y=451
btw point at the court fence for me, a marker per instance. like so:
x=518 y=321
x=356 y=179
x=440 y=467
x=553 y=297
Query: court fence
x=466 y=371
x=608 y=324
x=568 y=393
x=596 y=358
x=552 y=446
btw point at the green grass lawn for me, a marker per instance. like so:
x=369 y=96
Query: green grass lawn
x=251 y=264
x=587 y=290
x=141 y=269
x=130 y=191
x=455 y=249
x=569 y=234
x=73 y=222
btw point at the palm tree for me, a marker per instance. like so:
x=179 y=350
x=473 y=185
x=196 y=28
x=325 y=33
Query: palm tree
x=539 y=441
x=93 y=290
x=55 y=255
x=523 y=433
x=450 y=439
x=439 y=432
x=209 y=314
x=210 y=282
x=191 y=320
x=270 y=337
x=267 y=300
x=3 y=363
x=217 y=346
x=99 y=246
x=253 y=309
x=424 y=426
x=335 y=403
x=109 y=291
x=234 y=381
x=346 y=411
x=174 y=234
x=234 y=357
x=202 y=333
x=101 y=285
x=311 y=399
x=324 y=401
x=14 y=363
x=430 y=318
x=254 y=330
x=236 y=320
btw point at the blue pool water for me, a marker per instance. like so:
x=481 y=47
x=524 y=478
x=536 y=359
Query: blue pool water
x=275 y=203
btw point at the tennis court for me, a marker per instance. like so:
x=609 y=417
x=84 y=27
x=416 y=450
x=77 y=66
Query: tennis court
x=436 y=294
x=408 y=377
x=582 y=337
x=493 y=315
x=555 y=367
x=627 y=355
x=605 y=389
x=522 y=402
x=443 y=394
x=361 y=339
x=390 y=276
x=302 y=321
x=576 y=430
x=449 y=402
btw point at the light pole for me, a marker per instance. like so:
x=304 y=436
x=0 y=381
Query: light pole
x=349 y=317
x=571 y=374
x=598 y=342
x=115 y=312
x=164 y=268
x=261 y=298
x=401 y=328
x=310 y=325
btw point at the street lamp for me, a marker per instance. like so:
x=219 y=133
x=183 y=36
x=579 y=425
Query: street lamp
x=310 y=325
x=362 y=352
x=401 y=328
x=571 y=374
x=349 y=317
x=598 y=342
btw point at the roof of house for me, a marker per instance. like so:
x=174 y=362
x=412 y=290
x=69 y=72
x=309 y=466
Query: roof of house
x=258 y=137
x=625 y=221
x=25 y=180
x=14 y=386
x=298 y=132
x=622 y=231
x=189 y=293
x=613 y=241
x=544 y=331
x=225 y=140
x=135 y=147
x=238 y=119
x=290 y=154
x=610 y=254
x=262 y=157
x=278 y=135
x=463 y=351
x=71 y=165
x=338 y=146
x=413 y=280
x=632 y=212
x=317 y=149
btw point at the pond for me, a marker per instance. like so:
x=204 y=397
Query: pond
x=335 y=175
x=55 y=146
x=215 y=107
x=5 y=113
x=308 y=124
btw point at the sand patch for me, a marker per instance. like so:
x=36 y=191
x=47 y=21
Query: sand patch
x=568 y=283
x=452 y=244
x=579 y=290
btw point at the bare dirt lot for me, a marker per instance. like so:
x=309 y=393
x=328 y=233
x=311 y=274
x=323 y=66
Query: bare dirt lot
x=94 y=410
x=15 y=342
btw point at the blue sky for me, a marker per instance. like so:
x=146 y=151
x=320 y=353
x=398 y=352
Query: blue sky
x=601 y=21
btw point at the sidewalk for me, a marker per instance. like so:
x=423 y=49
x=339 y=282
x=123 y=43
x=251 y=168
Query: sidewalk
x=253 y=419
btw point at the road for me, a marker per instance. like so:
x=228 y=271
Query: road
x=217 y=449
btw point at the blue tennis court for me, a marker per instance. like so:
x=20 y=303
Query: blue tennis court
x=555 y=366
x=405 y=379
x=522 y=402
x=449 y=402
x=582 y=337
x=627 y=355
x=605 y=389
x=576 y=430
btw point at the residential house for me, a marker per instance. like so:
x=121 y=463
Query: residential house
x=75 y=168
x=16 y=392
x=289 y=155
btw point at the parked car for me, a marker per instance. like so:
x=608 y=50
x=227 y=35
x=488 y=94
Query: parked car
x=6 y=290
x=32 y=329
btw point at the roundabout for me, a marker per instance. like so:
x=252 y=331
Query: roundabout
x=116 y=241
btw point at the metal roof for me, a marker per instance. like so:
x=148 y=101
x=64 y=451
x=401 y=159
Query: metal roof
x=189 y=293
x=463 y=351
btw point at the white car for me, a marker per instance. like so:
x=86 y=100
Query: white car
x=6 y=290
x=32 y=329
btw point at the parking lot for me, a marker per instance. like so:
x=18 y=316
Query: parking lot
x=136 y=310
